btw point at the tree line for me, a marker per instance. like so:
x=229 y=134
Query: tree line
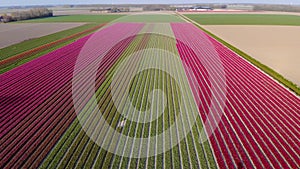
x=24 y=15
x=283 y=8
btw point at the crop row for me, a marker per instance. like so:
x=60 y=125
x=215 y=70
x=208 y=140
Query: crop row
x=76 y=138
x=75 y=149
x=259 y=125
x=38 y=125
x=37 y=100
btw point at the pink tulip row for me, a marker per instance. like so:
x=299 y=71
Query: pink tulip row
x=260 y=124
x=36 y=98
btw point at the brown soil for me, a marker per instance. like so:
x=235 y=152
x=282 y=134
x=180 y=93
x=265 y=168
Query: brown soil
x=12 y=33
x=274 y=46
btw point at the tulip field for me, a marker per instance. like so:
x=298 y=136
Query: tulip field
x=46 y=112
x=259 y=127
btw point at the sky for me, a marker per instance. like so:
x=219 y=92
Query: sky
x=58 y=2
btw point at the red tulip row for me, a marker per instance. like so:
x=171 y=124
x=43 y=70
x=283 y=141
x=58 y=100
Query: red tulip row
x=37 y=97
x=259 y=127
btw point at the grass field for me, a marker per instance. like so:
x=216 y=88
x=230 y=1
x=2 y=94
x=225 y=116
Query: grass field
x=244 y=19
x=76 y=18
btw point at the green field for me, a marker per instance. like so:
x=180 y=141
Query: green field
x=245 y=19
x=75 y=18
x=150 y=18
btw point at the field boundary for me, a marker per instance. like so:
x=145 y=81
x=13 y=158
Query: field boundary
x=34 y=51
x=272 y=73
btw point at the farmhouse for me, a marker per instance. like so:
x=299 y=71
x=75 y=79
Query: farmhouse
x=200 y=8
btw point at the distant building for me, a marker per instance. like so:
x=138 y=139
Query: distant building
x=193 y=8
x=200 y=8
x=240 y=7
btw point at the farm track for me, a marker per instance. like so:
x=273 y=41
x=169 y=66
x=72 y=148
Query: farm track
x=259 y=126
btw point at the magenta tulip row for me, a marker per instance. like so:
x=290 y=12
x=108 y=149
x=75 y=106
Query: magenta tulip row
x=36 y=98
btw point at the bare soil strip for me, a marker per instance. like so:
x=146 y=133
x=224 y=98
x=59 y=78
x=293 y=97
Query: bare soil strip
x=15 y=33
